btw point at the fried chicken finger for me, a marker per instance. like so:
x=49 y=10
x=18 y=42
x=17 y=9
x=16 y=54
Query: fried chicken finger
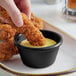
x=33 y=35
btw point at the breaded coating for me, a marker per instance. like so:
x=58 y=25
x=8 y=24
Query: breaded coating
x=4 y=17
x=6 y=32
x=37 y=22
x=7 y=50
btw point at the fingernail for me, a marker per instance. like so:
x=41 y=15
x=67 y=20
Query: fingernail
x=29 y=17
x=19 y=23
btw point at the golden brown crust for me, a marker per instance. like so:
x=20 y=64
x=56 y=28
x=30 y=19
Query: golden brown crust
x=6 y=32
x=7 y=50
x=37 y=21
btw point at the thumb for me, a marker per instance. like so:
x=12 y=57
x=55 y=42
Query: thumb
x=13 y=12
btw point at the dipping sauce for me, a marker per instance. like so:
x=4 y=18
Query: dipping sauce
x=49 y=42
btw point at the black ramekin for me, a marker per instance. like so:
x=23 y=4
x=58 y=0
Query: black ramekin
x=39 y=57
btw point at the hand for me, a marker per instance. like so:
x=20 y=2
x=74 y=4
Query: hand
x=14 y=7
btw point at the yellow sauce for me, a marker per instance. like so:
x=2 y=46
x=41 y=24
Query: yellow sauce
x=49 y=42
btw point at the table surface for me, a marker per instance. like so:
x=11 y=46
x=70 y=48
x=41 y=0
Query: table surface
x=51 y=15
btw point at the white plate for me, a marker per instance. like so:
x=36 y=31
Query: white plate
x=65 y=61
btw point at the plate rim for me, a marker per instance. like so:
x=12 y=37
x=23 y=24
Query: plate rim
x=7 y=69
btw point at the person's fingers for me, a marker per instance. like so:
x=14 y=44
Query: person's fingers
x=14 y=12
x=26 y=7
x=17 y=1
